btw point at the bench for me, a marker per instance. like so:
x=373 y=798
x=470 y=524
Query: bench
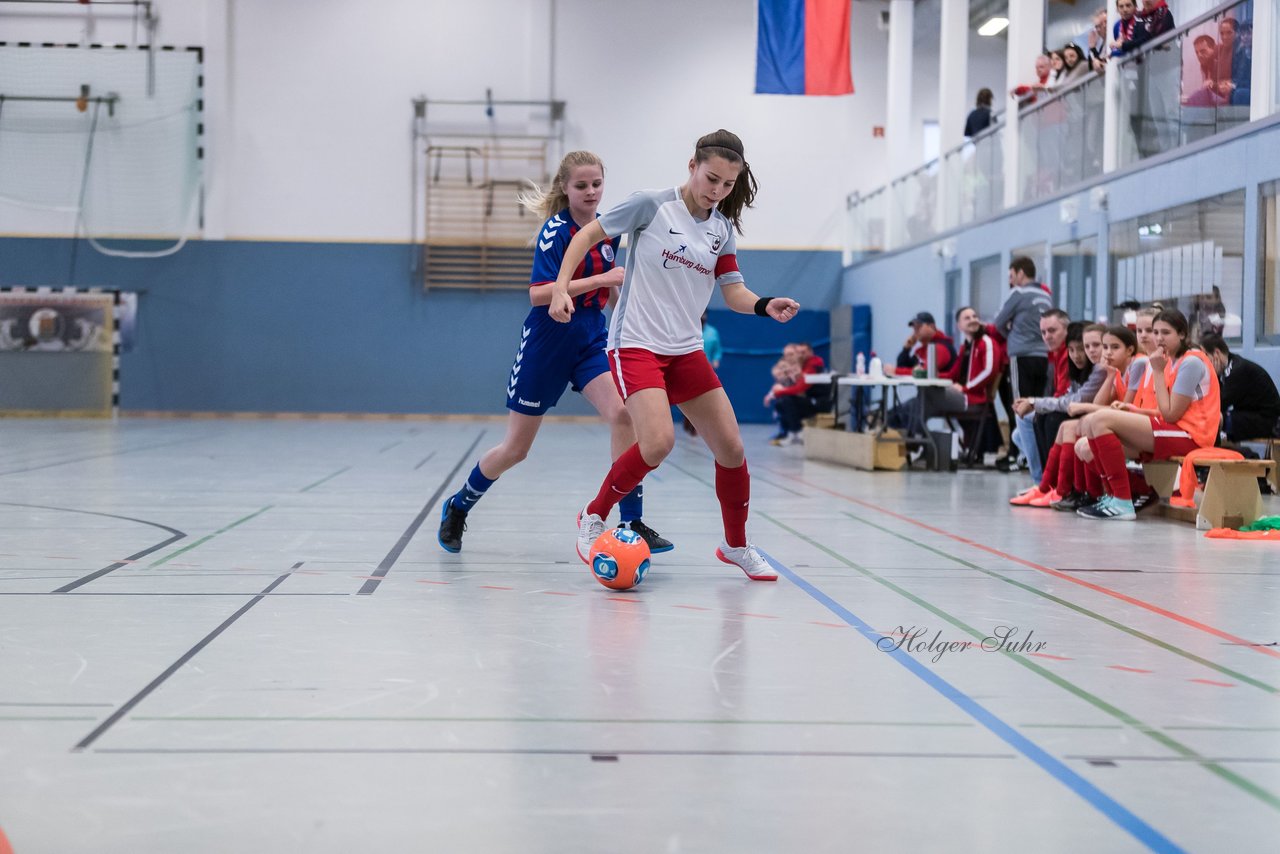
x=1231 y=495
x=1271 y=451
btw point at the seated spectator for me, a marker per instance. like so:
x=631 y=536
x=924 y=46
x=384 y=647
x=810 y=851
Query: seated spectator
x=1073 y=65
x=925 y=336
x=1204 y=93
x=1187 y=416
x=980 y=117
x=1055 y=423
x=1026 y=93
x=1098 y=41
x=1250 y=401
x=797 y=400
x=1128 y=32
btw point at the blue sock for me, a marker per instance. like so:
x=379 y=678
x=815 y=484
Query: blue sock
x=632 y=506
x=472 y=491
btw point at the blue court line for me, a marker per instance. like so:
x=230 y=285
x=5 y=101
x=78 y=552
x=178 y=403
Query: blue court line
x=1104 y=803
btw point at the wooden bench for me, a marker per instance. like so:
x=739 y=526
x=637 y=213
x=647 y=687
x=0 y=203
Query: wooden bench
x=1231 y=495
x=1271 y=452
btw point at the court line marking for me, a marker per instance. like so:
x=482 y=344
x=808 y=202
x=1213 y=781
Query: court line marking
x=1091 y=794
x=568 y=751
x=389 y=561
x=137 y=698
x=1229 y=776
x=423 y=460
x=1098 y=588
x=204 y=540
x=93 y=576
x=324 y=479
x=1080 y=609
x=119 y=453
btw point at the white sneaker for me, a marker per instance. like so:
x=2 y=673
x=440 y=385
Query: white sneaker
x=793 y=439
x=590 y=527
x=748 y=560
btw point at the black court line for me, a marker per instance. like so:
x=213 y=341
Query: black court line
x=102 y=456
x=424 y=459
x=67 y=588
x=173 y=668
x=392 y=556
x=515 y=751
x=392 y=445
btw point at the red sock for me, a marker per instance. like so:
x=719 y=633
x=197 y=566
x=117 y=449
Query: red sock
x=1067 y=469
x=1109 y=453
x=627 y=472
x=1050 y=476
x=733 y=488
x=1092 y=479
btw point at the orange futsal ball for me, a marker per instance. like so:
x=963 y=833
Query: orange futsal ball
x=619 y=559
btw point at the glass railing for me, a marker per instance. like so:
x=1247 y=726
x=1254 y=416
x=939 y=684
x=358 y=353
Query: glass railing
x=973 y=179
x=866 y=223
x=913 y=208
x=1187 y=85
x=1060 y=139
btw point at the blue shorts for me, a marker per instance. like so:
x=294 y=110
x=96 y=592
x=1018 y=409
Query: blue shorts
x=553 y=355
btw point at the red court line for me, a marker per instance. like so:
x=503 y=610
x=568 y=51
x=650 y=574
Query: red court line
x=829 y=625
x=555 y=593
x=691 y=607
x=1214 y=684
x=1129 y=669
x=494 y=587
x=1106 y=591
x=1047 y=655
x=425 y=581
x=761 y=616
x=622 y=599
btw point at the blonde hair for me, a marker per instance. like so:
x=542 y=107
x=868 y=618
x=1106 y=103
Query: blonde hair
x=547 y=203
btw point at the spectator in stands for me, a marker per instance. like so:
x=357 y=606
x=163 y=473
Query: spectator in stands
x=1055 y=423
x=980 y=117
x=1073 y=65
x=1128 y=32
x=1098 y=41
x=924 y=336
x=1205 y=93
x=1054 y=325
x=1187 y=416
x=1156 y=19
x=1250 y=401
x=1026 y=93
x=1058 y=68
x=797 y=400
x=1234 y=66
x=1018 y=323
x=1242 y=71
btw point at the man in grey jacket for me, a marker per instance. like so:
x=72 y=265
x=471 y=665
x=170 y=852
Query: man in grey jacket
x=1019 y=323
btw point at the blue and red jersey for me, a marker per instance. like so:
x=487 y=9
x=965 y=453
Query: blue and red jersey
x=552 y=240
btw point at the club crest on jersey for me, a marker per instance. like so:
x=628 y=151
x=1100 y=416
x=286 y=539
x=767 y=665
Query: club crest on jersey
x=606 y=252
x=715 y=241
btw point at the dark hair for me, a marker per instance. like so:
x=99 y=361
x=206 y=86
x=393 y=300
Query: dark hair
x=1235 y=25
x=1202 y=39
x=1064 y=317
x=1212 y=342
x=1075 y=334
x=1178 y=321
x=724 y=144
x=1025 y=264
x=1126 y=336
x=985 y=97
x=1075 y=47
x=982 y=329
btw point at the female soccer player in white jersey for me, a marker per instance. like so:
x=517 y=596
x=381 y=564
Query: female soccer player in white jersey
x=681 y=246
x=552 y=355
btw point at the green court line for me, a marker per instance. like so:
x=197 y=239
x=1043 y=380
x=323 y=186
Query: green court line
x=1244 y=785
x=428 y=719
x=323 y=479
x=1168 y=647
x=170 y=557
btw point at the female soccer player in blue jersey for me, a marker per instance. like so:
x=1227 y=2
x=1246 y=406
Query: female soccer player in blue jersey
x=681 y=247
x=552 y=355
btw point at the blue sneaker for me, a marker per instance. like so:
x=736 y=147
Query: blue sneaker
x=657 y=543
x=452 y=523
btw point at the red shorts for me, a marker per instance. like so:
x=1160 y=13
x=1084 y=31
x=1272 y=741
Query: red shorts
x=684 y=377
x=1170 y=440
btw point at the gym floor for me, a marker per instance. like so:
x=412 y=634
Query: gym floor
x=226 y=635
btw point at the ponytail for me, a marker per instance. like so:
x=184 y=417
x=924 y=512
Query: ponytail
x=724 y=144
x=548 y=203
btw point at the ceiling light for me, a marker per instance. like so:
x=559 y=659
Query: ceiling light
x=994 y=26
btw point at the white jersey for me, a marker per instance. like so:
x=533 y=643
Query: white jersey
x=673 y=262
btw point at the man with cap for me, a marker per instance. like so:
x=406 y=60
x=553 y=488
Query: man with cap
x=925 y=334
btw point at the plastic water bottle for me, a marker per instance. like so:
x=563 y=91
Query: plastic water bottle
x=876 y=368
x=861 y=365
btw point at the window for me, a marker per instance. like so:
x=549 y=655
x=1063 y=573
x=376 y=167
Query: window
x=1269 y=316
x=1074 y=275
x=988 y=284
x=1190 y=258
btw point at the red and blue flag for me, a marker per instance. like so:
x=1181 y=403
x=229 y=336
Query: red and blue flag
x=802 y=48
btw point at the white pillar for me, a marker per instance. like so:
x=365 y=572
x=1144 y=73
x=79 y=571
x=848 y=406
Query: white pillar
x=1111 y=102
x=903 y=156
x=219 y=116
x=954 y=98
x=1026 y=42
x=1266 y=28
